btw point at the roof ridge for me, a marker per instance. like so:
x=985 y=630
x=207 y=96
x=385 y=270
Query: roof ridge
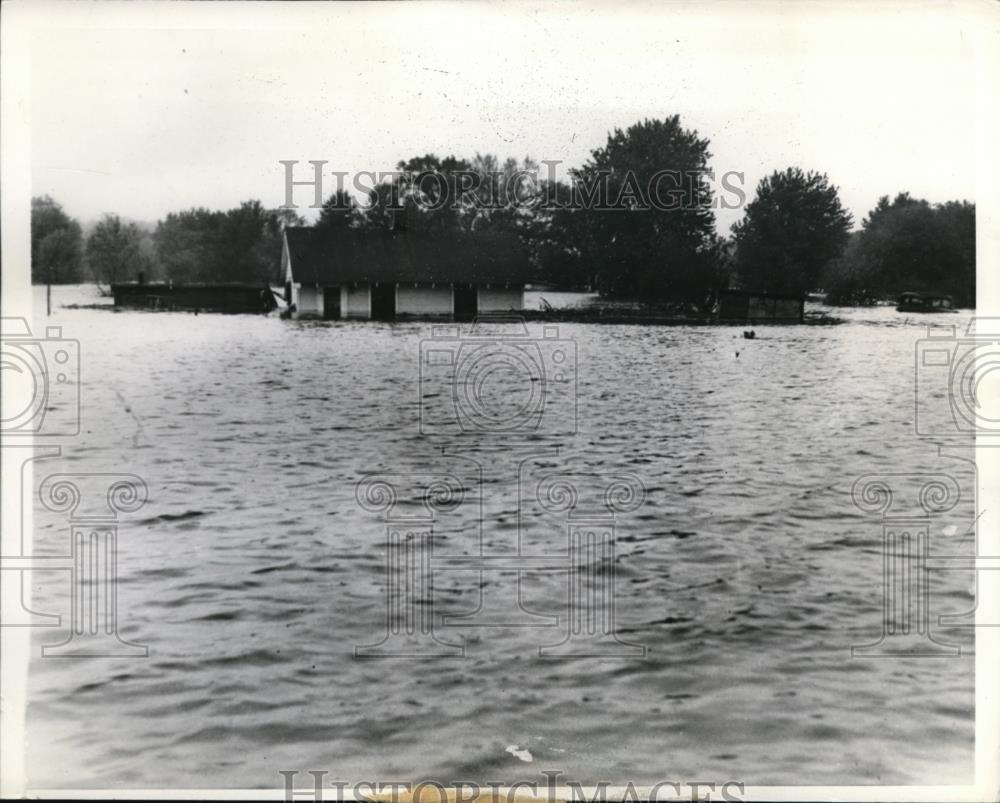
x=335 y=256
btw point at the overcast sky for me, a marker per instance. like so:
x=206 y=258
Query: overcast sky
x=172 y=109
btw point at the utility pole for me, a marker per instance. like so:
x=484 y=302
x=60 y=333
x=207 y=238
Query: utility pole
x=48 y=294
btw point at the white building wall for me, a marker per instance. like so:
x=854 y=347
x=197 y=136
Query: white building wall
x=308 y=300
x=356 y=302
x=500 y=299
x=425 y=300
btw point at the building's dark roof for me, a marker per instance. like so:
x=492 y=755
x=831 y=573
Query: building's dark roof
x=761 y=294
x=923 y=295
x=352 y=255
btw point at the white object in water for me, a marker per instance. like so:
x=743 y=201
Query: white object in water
x=517 y=752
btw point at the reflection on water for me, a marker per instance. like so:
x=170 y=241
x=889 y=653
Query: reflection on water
x=253 y=573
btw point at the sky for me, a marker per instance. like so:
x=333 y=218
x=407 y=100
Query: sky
x=145 y=109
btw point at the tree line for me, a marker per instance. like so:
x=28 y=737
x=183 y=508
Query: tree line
x=195 y=245
x=636 y=220
x=907 y=244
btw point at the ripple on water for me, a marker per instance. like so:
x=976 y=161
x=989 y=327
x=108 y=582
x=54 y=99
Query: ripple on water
x=253 y=573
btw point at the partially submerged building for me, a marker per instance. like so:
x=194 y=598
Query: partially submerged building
x=387 y=275
x=745 y=306
x=231 y=298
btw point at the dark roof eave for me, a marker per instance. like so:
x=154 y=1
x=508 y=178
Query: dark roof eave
x=497 y=258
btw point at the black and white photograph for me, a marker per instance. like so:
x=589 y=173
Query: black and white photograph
x=500 y=402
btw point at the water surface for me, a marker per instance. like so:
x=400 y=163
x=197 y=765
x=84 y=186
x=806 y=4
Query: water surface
x=252 y=573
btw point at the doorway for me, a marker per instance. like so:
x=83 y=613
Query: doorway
x=331 y=303
x=384 y=301
x=466 y=302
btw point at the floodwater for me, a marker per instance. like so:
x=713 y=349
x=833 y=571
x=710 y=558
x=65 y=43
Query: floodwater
x=253 y=574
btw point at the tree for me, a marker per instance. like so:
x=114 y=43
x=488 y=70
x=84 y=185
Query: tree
x=556 y=236
x=422 y=196
x=608 y=228
x=645 y=201
x=241 y=245
x=270 y=244
x=60 y=251
x=56 y=243
x=507 y=196
x=958 y=267
x=428 y=193
x=147 y=252
x=850 y=280
x=187 y=244
x=790 y=233
x=339 y=211
x=245 y=252
x=909 y=244
x=114 y=251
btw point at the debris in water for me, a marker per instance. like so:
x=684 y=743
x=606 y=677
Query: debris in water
x=517 y=752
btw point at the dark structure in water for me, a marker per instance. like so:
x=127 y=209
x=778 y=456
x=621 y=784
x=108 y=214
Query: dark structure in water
x=231 y=298
x=745 y=306
x=383 y=275
x=924 y=302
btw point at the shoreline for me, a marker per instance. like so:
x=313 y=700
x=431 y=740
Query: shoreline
x=562 y=315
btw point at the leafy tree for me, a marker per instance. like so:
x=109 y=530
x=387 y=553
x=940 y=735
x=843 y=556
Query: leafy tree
x=557 y=237
x=245 y=250
x=240 y=245
x=507 y=196
x=430 y=192
x=60 y=251
x=114 y=251
x=187 y=244
x=147 y=253
x=791 y=231
x=270 y=244
x=909 y=244
x=421 y=197
x=573 y=237
x=850 y=280
x=339 y=211
x=433 y=194
x=958 y=268
x=287 y=217
x=249 y=243
x=56 y=243
x=646 y=203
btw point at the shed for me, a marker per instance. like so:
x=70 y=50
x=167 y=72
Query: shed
x=389 y=275
x=746 y=306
